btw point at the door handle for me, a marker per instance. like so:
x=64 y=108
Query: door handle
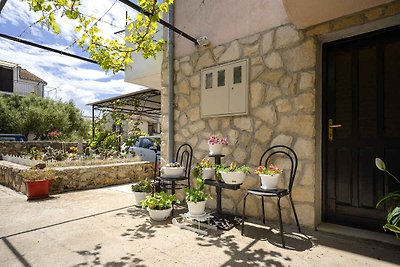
x=331 y=126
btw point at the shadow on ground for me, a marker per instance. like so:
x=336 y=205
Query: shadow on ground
x=92 y=258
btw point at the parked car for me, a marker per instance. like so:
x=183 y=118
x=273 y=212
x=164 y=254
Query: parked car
x=147 y=147
x=12 y=137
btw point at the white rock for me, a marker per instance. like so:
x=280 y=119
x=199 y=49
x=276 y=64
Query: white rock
x=232 y=53
x=273 y=61
x=286 y=36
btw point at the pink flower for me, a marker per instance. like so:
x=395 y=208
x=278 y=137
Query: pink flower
x=214 y=140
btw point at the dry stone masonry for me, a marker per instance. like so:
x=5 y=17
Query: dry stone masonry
x=281 y=111
x=282 y=107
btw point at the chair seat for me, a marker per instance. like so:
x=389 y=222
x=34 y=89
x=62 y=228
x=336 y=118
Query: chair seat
x=268 y=192
x=173 y=178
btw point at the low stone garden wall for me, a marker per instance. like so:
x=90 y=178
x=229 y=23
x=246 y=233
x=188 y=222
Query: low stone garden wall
x=79 y=177
x=14 y=147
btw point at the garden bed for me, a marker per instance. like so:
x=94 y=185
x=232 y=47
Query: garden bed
x=79 y=177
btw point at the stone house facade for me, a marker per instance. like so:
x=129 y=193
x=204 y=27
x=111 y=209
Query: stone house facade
x=284 y=50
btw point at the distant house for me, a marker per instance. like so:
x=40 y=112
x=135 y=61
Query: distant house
x=14 y=79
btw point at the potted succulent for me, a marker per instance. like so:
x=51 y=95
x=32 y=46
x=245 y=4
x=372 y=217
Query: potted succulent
x=233 y=174
x=159 y=205
x=216 y=144
x=141 y=190
x=269 y=176
x=173 y=169
x=196 y=198
x=37 y=182
x=204 y=169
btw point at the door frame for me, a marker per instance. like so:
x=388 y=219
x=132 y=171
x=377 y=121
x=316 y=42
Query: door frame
x=320 y=177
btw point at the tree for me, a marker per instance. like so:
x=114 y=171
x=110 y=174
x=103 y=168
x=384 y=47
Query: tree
x=33 y=114
x=110 y=54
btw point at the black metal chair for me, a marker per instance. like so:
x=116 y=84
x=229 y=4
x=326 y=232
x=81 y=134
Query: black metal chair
x=275 y=152
x=184 y=156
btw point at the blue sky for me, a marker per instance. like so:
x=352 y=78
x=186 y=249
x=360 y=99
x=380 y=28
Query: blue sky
x=75 y=80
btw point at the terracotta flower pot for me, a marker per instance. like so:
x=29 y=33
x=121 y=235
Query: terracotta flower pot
x=37 y=189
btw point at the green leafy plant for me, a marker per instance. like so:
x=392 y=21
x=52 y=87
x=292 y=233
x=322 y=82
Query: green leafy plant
x=144 y=186
x=393 y=199
x=33 y=153
x=196 y=194
x=55 y=154
x=34 y=174
x=233 y=167
x=204 y=163
x=159 y=201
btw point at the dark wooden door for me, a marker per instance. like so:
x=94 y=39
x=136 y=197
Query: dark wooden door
x=361 y=99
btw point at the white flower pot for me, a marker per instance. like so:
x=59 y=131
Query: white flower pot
x=139 y=196
x=197 y=208
x=159 y=215
x=215 y=149
x=173 y=171
x=233 y=177
x=269 y=181
x=208 y=173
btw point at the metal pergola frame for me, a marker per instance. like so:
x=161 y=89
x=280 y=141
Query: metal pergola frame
x=142 y=103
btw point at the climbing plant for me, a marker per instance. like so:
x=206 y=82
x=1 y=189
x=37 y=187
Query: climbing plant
x=111 y=54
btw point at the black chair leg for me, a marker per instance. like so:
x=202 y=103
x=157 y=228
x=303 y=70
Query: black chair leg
x=244 y=210
x=280 y=221
x=295 y=214
x=263 y=209
x=173 y=193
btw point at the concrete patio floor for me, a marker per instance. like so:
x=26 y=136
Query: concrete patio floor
x=101 y=227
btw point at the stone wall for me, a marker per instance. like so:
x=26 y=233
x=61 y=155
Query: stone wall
x=282 y=108
x=14 y=147
x=79 y=177
x=281 y=111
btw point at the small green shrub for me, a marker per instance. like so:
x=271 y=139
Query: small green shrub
x=159 y=201
x=144 y=186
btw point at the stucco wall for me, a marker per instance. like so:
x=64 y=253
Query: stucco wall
x=79 y=177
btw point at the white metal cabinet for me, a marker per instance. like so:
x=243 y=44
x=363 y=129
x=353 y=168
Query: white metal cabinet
x=224 y=89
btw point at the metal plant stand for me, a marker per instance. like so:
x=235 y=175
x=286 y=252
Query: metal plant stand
x=189 y=222
x=221 y=220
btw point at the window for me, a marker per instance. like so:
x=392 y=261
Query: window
x=209 y=80
x=228 y=94
x=6 y=80
x=221 y=78
x=237 y=74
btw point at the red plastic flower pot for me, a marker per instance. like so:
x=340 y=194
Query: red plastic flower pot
x=37 y=189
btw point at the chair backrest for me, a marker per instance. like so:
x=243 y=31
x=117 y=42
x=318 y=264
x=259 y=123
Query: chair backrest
x=279 y=151
x=184 y=156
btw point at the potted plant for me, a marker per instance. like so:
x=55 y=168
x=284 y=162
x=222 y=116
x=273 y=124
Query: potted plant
x=204 y=169
x=37 y=182
x=173 y=169
x=216 y=144
x=196 y=198
x=141 y=190
x=393 y=200
x=269 y=176
x=159 y=205
x=233 y=174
